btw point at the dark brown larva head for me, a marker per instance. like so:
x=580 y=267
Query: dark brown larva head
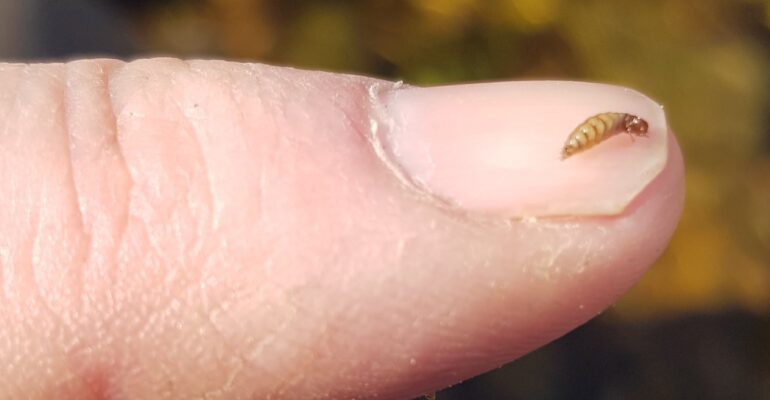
x=635 y=125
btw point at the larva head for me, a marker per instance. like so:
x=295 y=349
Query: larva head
x=571 y=147
x=635 y=125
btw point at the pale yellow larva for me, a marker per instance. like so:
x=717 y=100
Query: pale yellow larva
x=600 y=127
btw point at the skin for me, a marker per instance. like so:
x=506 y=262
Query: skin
x=184 y=230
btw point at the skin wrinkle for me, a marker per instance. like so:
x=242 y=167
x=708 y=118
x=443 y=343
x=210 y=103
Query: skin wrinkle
x=154 y=192
x=125 y=209
x=209 y=200
x=242 y=359
x=24 y=295
x=128 y=248
x=85 y=230
x=120 y=217
x=212 y=202
x=39 y=271
x=216 y=206
x=235 y=93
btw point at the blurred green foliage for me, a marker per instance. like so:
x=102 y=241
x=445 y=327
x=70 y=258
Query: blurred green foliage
x=707 y=61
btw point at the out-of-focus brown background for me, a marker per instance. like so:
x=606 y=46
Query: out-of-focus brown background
x=698 y=325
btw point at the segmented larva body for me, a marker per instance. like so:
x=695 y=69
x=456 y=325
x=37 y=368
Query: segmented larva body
x=601 y=127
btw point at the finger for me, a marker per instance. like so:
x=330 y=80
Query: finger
x=207 y=229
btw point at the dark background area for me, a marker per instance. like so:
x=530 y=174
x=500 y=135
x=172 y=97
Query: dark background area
x=698 y=325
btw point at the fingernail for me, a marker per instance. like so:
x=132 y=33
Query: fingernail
x=496 y=147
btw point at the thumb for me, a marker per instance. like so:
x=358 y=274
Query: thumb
x=210 y=229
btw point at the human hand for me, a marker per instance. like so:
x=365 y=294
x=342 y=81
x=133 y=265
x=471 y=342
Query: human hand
x=217 y=230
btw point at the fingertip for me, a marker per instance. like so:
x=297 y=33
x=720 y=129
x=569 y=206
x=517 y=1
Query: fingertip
x=557 y=274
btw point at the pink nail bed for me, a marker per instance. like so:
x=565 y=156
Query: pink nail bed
x=496 y=147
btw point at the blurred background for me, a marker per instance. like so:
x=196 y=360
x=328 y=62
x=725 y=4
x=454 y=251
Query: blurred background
x=698 y=325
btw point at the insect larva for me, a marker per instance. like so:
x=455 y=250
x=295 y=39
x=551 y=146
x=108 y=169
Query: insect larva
x=599 y=128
